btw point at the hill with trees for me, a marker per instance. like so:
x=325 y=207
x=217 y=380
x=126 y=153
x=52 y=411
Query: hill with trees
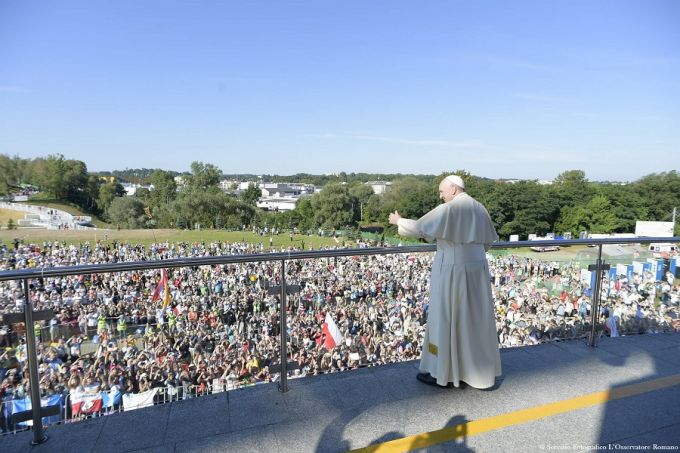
x=571 y=203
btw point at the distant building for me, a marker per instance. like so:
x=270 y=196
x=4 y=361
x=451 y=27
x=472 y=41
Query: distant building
x=228 y=184
x=286 y=190
x=541 y=182
x=305 y=189
x=379 y=187
x=131 y=189
x=277 y=203
x=243 y=185
x=283 y=197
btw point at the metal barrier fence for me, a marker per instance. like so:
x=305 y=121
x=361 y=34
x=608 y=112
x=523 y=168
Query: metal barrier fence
x=71 y=410
x=590 y=320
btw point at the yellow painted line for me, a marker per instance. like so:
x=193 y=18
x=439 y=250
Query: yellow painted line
x=484 y=425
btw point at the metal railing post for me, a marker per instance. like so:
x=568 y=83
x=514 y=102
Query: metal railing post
x=283 y=386
x=38 y=433
x=595 y=306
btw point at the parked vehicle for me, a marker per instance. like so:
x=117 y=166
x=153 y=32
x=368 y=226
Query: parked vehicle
x=549 y=248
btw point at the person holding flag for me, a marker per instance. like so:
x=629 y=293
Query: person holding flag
x=164 y=288
x=332 y=337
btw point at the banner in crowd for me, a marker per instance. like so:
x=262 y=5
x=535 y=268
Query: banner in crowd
x=24 y=404
x=86 y=403
x=111 y=398
x=139 y=400
x=83 y=403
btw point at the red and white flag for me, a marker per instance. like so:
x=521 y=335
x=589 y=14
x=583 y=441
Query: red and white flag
x=333 y=335
x=86 y=403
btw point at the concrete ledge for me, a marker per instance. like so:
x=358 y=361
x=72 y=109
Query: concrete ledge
x=338 y=412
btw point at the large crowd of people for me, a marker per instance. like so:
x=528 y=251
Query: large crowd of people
x=219 y=327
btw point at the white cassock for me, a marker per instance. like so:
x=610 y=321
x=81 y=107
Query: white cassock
x=461 y=343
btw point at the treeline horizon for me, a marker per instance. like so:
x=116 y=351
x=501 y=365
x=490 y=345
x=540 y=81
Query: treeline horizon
x=142 y=176
x=570 y=204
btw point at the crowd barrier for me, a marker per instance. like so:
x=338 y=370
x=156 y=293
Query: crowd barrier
x=77 y=406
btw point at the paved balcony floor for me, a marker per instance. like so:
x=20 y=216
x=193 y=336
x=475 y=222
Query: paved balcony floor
x=561 y=396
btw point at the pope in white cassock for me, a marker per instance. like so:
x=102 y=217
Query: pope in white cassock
x=461 y=343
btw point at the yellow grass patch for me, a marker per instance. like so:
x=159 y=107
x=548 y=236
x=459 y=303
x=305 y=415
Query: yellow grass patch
x=6 y=214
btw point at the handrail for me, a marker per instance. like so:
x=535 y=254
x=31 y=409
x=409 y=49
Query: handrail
x=296 y=255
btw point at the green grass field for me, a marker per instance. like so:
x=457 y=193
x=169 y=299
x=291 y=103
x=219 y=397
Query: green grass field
x=106 y=232
x=147 y=237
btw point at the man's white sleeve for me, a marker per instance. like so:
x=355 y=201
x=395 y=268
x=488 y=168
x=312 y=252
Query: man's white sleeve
x=409 y=228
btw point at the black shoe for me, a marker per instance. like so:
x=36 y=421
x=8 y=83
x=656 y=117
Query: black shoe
x=426 y=378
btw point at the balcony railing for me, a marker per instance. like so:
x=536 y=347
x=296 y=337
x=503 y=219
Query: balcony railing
x=575 y=319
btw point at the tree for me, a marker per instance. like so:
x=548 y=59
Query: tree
x=495 y=197
x=661 y=193
x=211 y=209
x=128 y=212
x=594 y=216
x=360 y=193
x=374 y=210
x=251 y=194
x=626 y=204
x=521 y=208
x=142 y=193
x=412 y=197
x=571 y=188
x=92 y=194
x=75 y=181
x=164 y=188
x=107 y=193
x=305 y=213
x=332 y=207
x=9 y=173
x=53 y=178
x=203 y=176
x=35 y=172
x=65 y=179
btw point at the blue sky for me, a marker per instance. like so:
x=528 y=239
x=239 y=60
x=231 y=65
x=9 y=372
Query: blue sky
x=503 y=89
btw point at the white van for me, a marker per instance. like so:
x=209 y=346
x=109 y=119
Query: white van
x=665 y=248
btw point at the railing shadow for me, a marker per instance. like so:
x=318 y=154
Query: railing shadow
x=618 y=358
x=620 y=431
